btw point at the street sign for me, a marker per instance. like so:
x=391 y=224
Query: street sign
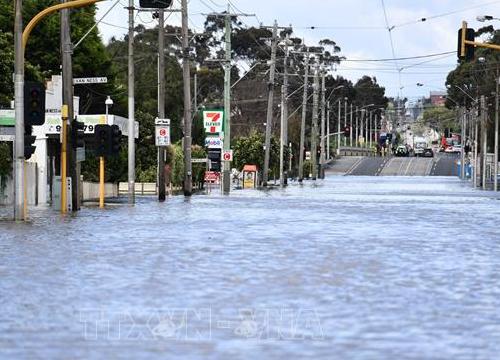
x=7 y=137
x=199 y=161
x=214 y=142
x=90 y=80
x=162 y=132
x=212 y=176
x=212 y=120
x=227 y=155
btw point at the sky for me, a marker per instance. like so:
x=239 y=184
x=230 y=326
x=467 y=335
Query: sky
x=359 y=27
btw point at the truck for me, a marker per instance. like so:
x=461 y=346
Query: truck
x=420 y=144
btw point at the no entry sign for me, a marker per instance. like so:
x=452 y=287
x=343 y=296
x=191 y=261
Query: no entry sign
x=162 y=132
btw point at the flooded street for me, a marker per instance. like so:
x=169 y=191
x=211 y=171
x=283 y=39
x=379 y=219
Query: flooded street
x=348 y=268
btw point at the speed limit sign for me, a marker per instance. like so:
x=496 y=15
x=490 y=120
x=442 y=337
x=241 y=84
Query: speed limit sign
x=227 y=155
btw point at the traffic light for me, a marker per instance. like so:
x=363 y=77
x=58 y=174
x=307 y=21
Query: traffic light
x=102 y=140
x=466 y=51
x=78 y=134
x=155 y=4
x=29 y=140
x=214 y=155
x=347 y=131
x=34 y=103
x=116 y=138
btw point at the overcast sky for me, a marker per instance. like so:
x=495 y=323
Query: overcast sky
x=359 y=28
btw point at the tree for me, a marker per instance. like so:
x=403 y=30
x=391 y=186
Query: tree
x=440 y=118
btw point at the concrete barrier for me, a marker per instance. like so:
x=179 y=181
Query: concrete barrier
x=90 y=190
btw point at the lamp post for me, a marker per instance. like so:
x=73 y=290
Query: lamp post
x=108 y=103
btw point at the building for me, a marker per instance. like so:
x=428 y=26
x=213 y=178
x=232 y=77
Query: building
x=438 y=98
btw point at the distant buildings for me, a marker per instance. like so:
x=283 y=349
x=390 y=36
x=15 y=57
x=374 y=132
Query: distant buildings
x=438 y=98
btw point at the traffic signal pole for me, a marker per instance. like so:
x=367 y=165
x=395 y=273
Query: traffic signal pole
x=20 y=40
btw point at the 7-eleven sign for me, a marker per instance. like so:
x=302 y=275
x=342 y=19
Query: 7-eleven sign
x=212 y=120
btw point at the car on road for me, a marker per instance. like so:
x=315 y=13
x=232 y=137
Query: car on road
x=402 y=151
x=428 y=153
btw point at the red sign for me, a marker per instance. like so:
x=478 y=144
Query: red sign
x=163 y=132
x=212 y=176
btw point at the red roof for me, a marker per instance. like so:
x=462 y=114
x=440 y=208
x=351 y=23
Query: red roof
x=250 y=168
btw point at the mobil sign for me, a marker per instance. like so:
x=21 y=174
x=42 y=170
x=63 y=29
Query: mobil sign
x=212 y=120
x=214 y=142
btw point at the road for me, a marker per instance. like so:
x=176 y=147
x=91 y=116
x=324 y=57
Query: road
x=349 y=267
x=440 y=165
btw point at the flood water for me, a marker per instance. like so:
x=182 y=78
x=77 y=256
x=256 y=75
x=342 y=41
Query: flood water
x=348 y=268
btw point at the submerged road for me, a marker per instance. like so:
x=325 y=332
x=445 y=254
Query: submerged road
x=348 y=267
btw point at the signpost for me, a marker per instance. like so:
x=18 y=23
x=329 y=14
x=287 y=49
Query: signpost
x=162 y=132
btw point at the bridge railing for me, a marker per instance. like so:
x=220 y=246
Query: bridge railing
x=356 y=151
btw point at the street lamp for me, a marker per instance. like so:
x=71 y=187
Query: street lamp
x=483 y=18
x=109 y=103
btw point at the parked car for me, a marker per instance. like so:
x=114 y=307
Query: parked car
x=428 y=152
x=402 y=151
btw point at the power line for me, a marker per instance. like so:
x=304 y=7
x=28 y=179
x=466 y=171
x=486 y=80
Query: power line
x=401 y=58
x=389 y=29
x=444 y=14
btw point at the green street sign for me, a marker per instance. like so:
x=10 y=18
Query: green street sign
x=7 y=118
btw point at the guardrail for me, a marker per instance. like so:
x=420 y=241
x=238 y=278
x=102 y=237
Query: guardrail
x=356 y=151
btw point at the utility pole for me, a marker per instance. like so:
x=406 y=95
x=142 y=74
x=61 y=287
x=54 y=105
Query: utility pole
x=328 y=130
x=484 y=138
x=226 y=171
x=495 y=171
x=323 y=120
x=357 y=127
x=19 y=113
x=338 y=126
x=368 y=117
x=462 y=114
x=476 y=144
x=188 y=172
x=67 y=99
x=284 y=118
x=226 y=180
x=350 y=127
x=131 y=105
x=269 y=118
x=345 y=119
x=370 y=133
x=303 y=120
x=314 y=128
x=161 y=101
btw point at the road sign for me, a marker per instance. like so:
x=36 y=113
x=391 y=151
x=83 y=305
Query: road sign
x=162 y=131
x=227 y=155
x=214 y=142
x=212 y=176
x=90 y=80
x=212 y=120
x=199 y=161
